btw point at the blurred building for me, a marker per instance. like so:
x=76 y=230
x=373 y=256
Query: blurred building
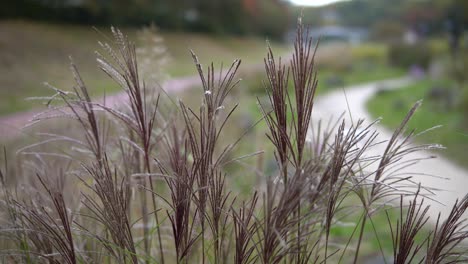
x=335 y=34
x=340 y=33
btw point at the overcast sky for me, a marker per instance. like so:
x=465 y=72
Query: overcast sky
x=314 y=2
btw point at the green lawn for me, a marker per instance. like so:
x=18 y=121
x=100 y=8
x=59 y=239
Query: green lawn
x=34 y=53
x=393 y=106
x=358 y=74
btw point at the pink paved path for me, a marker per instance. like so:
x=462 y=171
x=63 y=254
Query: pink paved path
x=11 y=125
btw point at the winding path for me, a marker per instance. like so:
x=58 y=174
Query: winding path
x=452 y=180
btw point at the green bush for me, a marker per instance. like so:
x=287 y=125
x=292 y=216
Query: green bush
x=405 y=55
x=370 y=52
x=438 y=46
x=463 y=105
x=336 y=58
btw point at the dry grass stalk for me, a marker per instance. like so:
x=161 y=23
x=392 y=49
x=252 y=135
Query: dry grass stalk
x=408 y=226
x=204 y=131
x=244 y=230
x=108 y=206
x=124 y=70
x=445 y=243
x=181 y=183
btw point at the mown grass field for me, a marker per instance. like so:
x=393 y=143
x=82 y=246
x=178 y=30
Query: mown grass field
x=393 y=106
x=32 y=53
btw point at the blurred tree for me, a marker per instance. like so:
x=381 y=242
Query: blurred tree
x=456 y=22
x=455 y=28
x=390 y=31
x=266 y=17
x=271 y=19
x=424 y=16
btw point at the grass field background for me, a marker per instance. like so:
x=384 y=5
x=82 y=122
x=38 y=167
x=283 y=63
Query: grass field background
x=392 y=106
x=34 y=53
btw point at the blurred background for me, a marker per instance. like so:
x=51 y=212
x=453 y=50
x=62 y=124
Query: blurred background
x=361 y=41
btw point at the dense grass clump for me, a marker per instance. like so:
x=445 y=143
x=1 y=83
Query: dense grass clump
x=146 y=180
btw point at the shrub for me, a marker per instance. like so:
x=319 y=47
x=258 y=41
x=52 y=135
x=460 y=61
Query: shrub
x=438 y=47
x=336 y=58
x=154 y=187
x=370 y=53
x=406 y=55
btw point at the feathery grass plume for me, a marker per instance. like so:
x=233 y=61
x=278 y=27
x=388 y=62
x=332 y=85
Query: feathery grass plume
x=203 y=131
x=277 y=119
x=78 y=106
x=14 y=226
x=336 y=179
x=181 y=183
x=305 y=80
x=445 y=242
x=41 y=222
x=319 y=137
x=405 y=232
x=393 y=152
x=50 y=228
x=289 y=120
x=279 y=220
x=130 y=164
x=289 y=136
x=219 y=204
x=95 y=137
x=123 y=69
x=108 y=207
x=244 y=230
x=386 y=183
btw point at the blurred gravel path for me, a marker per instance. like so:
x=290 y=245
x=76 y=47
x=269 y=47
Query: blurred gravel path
x=452 y=180
x=11 y=125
